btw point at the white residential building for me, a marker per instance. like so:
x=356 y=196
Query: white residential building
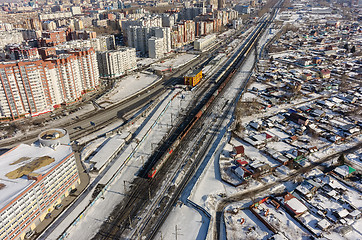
x=34 y=179
x=116 y=62
x=202 y=43
x=138 y=37
x=155 y=47
x=102 y=43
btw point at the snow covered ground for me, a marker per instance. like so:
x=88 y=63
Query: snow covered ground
x=127 y=86
x=243 y=224
x=175 y=62
x=129 y=161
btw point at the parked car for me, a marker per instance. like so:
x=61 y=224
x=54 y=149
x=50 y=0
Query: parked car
x=58 y=206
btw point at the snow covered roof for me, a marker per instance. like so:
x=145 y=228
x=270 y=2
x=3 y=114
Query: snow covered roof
x=239 y=172
x=17 y=162
x=296 y=206
x=344 y=170
x=323 y=224
x=106 y=152
x=343 y=213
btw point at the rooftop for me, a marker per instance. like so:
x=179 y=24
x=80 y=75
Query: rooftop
x=23 y=161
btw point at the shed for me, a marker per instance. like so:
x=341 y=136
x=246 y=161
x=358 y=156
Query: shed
x=323 y=224
x=239 y=150
x=344 y=230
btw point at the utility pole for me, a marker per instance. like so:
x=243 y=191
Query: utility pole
x=149 y=193
x=176 y=233
x=130 y=221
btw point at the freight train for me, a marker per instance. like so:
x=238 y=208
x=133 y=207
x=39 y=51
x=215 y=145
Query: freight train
x=222 y=78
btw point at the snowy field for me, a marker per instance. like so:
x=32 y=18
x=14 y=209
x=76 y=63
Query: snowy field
x=175 y=62
x=243 y=224
x=126 y=87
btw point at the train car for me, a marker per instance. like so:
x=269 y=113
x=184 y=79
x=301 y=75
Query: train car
x=194 y=78
x=158 y=165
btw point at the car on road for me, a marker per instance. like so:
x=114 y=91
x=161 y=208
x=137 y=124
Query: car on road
x=58 y=206
x=29 y=234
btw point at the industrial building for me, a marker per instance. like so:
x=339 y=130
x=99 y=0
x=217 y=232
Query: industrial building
x=34 y=179
x=194 y=78
x=202 y=43
x=115 y=63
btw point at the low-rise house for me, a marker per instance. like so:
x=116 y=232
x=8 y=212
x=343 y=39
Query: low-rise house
x=317 y=113
x=259 y=139
x=325 y=73
x=299 y=119
x=317 y=60
x=344 y=171
x=238 y=151
x=295 y=154
x=341 y=214
x=323 y=224
x=242 y=172
x=305 y=109
x=334 y=138
x=256 y=125
x=261 y=168
x=308 y=189
x=307 y=76
x=355 y=215
x=294 y=205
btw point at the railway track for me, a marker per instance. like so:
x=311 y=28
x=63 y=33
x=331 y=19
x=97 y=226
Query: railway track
x=121 y=219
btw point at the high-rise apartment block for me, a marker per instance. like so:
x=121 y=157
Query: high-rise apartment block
x=102 y=43
x=182 y=33
x=155 y=47
x=116 y=62
x=35 y=87
x=9 y=37
x=34 y=179
x=138 y=37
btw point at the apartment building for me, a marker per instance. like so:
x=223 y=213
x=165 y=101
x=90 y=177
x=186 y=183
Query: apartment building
x=35 y=87
x=102 y=43
x=9 y=37
x=34 y=179
x=116 y=62
x=155 y=47
x=138 y=37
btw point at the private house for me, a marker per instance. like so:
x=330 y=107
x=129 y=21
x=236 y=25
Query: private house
x=299 y=119
x=307 y=189
x=238 y=151
x=325 y=74
x=294 y=205
x=344 y=171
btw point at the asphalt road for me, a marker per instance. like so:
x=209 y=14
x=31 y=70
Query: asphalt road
x=80 y=127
